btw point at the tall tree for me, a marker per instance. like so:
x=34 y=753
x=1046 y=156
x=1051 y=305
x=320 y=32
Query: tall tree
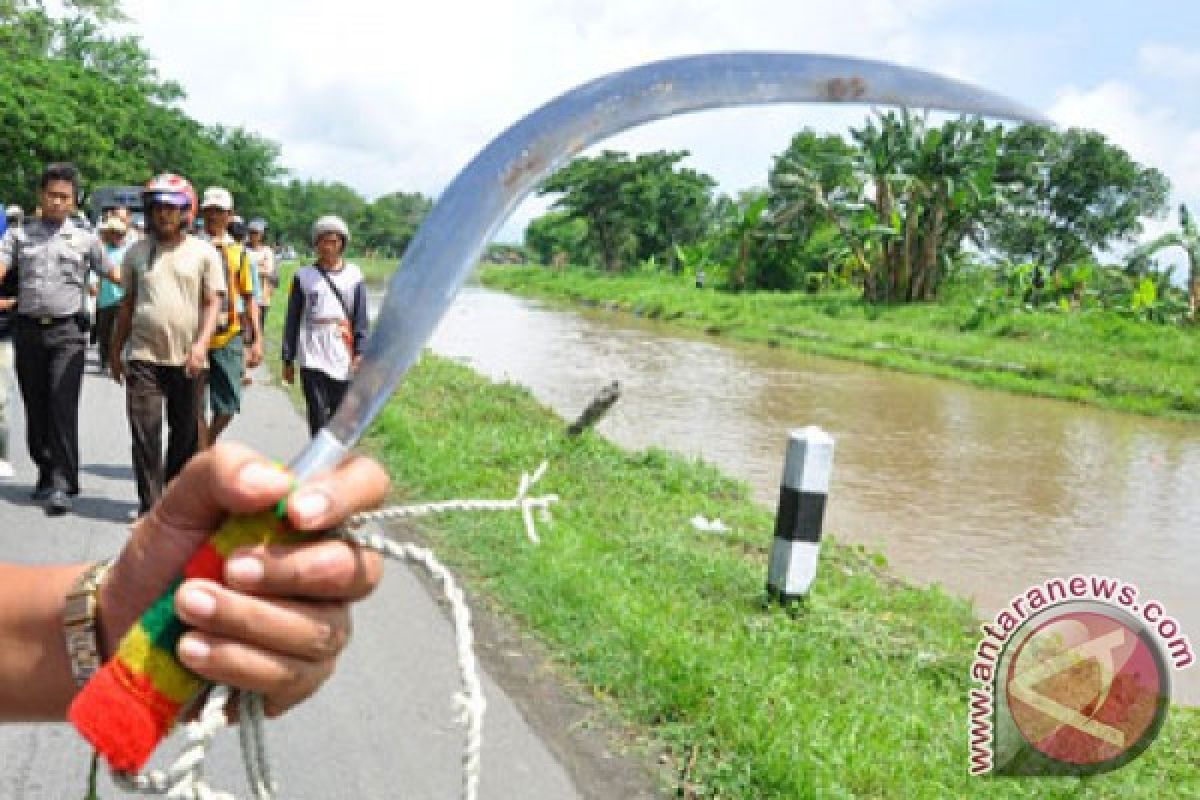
x=1074 y=192
x=634 y=208
x=73 y=93
x=388 y=223
x=816 y=218
x=557 y=238
x=902 y=198
x=303 y=201
x=590 y=190
x=668 y=204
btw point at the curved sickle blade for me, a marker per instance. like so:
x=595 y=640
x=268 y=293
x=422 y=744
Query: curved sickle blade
x=445 y=249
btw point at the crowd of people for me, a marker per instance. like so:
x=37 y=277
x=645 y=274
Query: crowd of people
x=176 y=316
x=175 y=307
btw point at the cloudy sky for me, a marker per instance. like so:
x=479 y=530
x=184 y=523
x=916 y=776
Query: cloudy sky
x=387 y=96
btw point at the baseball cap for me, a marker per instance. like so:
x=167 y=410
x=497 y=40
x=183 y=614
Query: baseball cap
x=115 y=224
x=216 y=197
x=13 y=211
x=258 y=224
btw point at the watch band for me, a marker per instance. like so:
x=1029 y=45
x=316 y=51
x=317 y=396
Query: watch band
x=79 y=622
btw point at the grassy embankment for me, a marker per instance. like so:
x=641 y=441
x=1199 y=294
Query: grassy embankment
x=861 y=694
x=1093 y=357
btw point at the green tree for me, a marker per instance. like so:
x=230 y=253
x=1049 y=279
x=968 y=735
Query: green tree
x=668 y=204
x=590 y=190
x=301 y=202
x=72 y=93
x=248 y=167
x=634 y=209
x=557 y=238
x=901 y=200
x=388 y=224
x=932 y=186
x=1072 y=193
x=817 y=220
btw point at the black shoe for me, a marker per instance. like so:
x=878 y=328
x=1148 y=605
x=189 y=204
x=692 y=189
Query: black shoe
x=58 y=503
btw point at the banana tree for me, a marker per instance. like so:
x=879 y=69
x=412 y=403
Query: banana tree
x=932 y=186
x=1187 y=237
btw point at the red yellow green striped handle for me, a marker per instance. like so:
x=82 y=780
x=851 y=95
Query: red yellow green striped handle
x=132 y=702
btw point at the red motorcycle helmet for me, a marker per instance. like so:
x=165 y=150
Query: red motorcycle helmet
x=172 y=190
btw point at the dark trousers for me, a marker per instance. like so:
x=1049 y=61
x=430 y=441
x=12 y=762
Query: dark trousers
x=322 y=395
x=49 y=359
x=106 y=324
x=147 y=387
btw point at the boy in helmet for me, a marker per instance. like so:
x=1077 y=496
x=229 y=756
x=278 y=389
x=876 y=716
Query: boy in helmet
x=173 y=286
x=326 y=323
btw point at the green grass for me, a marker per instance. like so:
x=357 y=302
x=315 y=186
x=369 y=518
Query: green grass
x=1093 y=357
x=376 y=270
x=861 y=694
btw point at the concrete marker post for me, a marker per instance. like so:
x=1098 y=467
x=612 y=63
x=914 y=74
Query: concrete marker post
x=801 y=514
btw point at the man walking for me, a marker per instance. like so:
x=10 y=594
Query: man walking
x=173 y=286
x=52 y=255
x=326 y=323
x=109 y=293
x=262 y=259
x=225 y=357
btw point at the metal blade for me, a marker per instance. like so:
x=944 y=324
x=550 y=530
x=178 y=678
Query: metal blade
x=447 y=246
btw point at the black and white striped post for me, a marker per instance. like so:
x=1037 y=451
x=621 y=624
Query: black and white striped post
x=806 y=473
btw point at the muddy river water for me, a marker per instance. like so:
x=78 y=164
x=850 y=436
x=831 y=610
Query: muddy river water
x=983 y=492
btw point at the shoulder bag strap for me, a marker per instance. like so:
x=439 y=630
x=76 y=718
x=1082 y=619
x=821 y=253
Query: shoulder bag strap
x=341 y=300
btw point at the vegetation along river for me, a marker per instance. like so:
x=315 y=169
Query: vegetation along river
x=983 y=492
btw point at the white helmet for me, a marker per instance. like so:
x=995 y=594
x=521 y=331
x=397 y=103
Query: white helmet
x=331 y=223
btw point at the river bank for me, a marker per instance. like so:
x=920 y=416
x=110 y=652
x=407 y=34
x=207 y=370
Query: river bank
x=862 y=694
x=1091 y=357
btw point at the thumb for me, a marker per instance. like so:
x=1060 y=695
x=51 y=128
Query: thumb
x=226 y=479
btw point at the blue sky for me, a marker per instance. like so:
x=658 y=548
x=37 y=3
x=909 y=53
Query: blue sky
x=401 y=96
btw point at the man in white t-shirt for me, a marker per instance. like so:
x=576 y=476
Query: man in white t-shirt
x=326 y=323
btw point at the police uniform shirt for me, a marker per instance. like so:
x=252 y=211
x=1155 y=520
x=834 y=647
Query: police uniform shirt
x=52 y=264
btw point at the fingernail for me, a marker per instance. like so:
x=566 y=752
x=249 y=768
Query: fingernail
x=264 y=477
x=244 y=570
x=198 y=602
x=193 y=649
x=310 y=504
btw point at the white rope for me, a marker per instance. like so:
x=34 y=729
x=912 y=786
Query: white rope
x=470 y=701
x=521 y=502
x=184 y=780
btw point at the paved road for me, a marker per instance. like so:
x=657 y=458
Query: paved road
x=383 y=728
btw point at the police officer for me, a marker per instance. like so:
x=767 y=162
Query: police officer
x=52 y=255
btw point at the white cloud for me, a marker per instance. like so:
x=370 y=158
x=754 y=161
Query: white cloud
x=400 y=96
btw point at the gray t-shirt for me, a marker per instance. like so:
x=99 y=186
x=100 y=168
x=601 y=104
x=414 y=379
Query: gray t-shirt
x=52 y=264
